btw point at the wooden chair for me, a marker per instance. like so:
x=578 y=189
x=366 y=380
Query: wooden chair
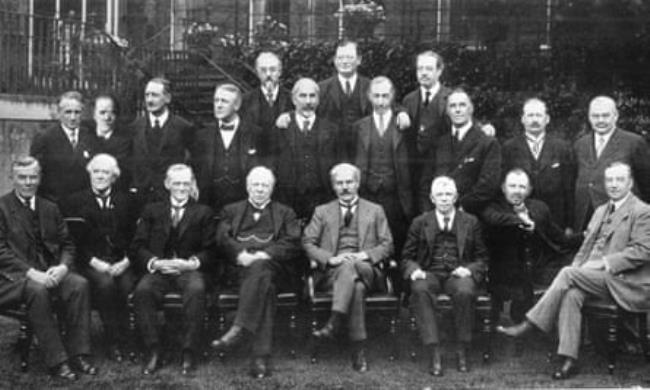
x=444 y=306
x=612 y=314
x=386 y=302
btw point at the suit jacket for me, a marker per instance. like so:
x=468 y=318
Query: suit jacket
x=590 y=188
x=627 y=251
x=196 y=234
x=330 y=104
x=120 y=146
x=517 y=256
x=419 y=246
x=422 y=135
x=552 y=175
x=64 y=167
x=17 y=252
x=321 y=236
x=289 y=155
x=251 y=110
x=284 y=248
x=204 y=151
x=474 y=164
x=364 y=127
x=90 y=239
x=149 y=165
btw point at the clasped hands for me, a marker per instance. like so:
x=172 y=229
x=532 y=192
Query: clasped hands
x=50 y=278
x=343 y=257
x=114 y=270
x=246 y=258
x=459 y=272
x=172 y=266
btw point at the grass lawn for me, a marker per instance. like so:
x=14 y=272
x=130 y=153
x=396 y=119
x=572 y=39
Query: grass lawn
x=333 y=370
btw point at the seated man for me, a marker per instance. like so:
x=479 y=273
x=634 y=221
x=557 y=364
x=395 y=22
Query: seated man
x=109 y=221
x=613 y=263
x=444 y=251
x=261 y=238
x=348 y=237
x=36 y=254
x=527 y=248
x=173 y=244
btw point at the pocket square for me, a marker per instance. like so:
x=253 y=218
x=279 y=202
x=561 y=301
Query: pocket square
x=252 y=151
x=468 y=160
x=555 y=165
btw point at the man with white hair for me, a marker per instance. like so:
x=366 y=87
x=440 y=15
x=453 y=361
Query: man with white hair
x=260 y=240
x=348 y=237
x=306 y=152
x=597 y=149
x=107 y=223
x=173 y=246
x=444 y=252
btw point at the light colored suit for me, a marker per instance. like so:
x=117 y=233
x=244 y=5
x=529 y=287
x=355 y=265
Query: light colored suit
x=625 y=248
x=350 y=280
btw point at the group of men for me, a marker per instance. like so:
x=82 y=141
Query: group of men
x=163 y=206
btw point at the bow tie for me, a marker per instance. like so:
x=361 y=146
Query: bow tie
x=224 y=127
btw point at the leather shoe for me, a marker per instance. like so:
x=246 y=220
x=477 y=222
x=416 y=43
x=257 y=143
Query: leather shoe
x=516 y=330
x=80 y=364
x=232 y=338
x=63 y=371
x=359 y=362
x=188 y=362
x=153 y=363
x=326 y=332
x=568 y=369
x=462 y=361
x=436 y=363
x=259 y=368
x=115 y=354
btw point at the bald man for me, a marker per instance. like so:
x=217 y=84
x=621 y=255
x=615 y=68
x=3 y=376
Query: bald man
x=306 y=151
x=596 y=150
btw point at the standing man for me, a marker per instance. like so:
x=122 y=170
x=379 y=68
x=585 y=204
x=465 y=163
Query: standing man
x=467 y=155
x=261 y=241
x=613 y=264
x=103 y=240
x=224 y=151
x=547 y=160
x=382 y=156
x=36 y=255
x=595 y=151
x=173 y=245
x=348 y=238
x=64 y=150
x=263 y=105
x=306 y=153
x=444 y=252
x=160 y=140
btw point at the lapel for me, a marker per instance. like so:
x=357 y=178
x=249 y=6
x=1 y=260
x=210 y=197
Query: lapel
x=166 y=218
x=431 y=229
x=363 y=98
x=334 y=220
x=546 y=155
x=140 y=134
x=363 y=221
x=213 y=137
x=277 y=221
x=397 y=135
x=336 y=93
x=291 y=133
x=321 y=135
x=610 y=148
x=165 y=133
x=243 y=138
x=237 y=217
x=467 y=144
x=364 y=131
x=188 y=216
x=64 y=141
x=521 y=145
x=620 y=215
x=461 y=232
x=15 y=210
x=593 y=230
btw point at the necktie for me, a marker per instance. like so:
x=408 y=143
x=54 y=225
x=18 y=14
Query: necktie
x=427 y=98
x=176 y=215
x=445 y=220
x=536 y=149
x=305 y=126
x=600 y=145
x=27 y=204
x=348 y=88
x=103 y=200
x=153 y=135
x=227 y=127
x=73 y=138
x=455 y=132
x=156 y=125
x=269 y=98
x=347 y=217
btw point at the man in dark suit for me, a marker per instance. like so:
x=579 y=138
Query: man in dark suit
x=64 y=150
x=36 y=255
x=596 y=150
x=348 y=238
x=263 y=105
x=382 y=156
x=160 y=139
x=306 y=153
x=548 y=161
x=467 y=155
x=112 y=139
x=105 y=223
x=444 y=252
x=260 y=239
x=613 y=264
x=225 y=150
x=173 y=246
x=527 y=248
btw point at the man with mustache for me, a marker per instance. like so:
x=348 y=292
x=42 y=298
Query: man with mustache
x=160 y=139
x=263 y=105
x=596 y=150
x=548 y=161
x=306 y=153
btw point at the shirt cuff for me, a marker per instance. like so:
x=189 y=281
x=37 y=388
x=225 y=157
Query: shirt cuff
x=195 y=262
x=150 y=265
